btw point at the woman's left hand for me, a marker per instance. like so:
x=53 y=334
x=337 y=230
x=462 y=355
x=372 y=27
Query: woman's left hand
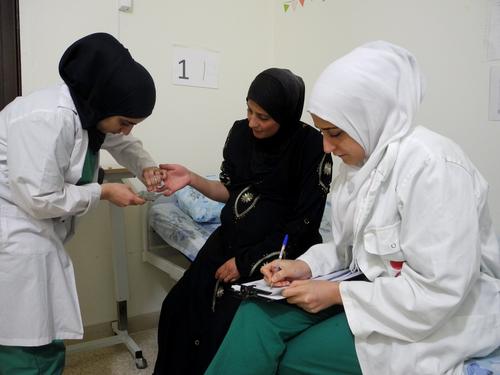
x=153 y=178
x=313 y=295
x=228 y=272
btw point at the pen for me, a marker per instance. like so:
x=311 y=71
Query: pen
x=282 y=251
x=283 y=245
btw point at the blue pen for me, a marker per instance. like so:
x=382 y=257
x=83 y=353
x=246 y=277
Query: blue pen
x=282 y=251
x=283 y=245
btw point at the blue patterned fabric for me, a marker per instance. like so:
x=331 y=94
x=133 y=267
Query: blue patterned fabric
x=489 y=365
x=200 y=208
x=177 y=228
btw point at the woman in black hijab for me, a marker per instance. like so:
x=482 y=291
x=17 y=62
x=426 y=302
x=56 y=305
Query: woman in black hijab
x=104 y=80
x=274 y=180
x=49 y=143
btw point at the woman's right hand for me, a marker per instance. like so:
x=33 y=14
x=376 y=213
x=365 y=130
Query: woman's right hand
x=178 y=177
x=120 y=194
x=280 y=273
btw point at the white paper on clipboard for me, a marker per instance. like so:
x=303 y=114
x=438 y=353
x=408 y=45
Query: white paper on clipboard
x=341 y=275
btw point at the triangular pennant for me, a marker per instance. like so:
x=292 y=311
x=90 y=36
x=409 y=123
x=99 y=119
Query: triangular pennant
x=286 y=6
x=301 y=2
x=294 y=4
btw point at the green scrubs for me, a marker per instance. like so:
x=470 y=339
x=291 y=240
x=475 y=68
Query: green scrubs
x=33 y=360
x=89 y=167
x=277 y=338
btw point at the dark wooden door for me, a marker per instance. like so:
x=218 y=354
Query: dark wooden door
x=10 y=61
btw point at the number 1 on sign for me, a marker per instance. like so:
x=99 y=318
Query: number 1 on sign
x=183 y=76
x=194 y=67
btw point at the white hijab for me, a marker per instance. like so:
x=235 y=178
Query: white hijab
x=373 y=94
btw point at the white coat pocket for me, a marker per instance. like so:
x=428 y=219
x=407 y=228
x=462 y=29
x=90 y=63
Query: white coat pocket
x=384 y=249
x=22 y=234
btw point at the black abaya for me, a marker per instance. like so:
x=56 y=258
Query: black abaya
x=275 y=188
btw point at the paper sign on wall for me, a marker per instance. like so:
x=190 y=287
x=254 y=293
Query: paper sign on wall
x=195 y=67
x=493 y=30
x=494 y=108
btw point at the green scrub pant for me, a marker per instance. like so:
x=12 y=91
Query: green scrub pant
x=33 y=360
x=276 y=338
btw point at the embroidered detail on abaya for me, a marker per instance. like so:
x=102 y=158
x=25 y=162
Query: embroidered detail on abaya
x=245 y=201
x=325 y=173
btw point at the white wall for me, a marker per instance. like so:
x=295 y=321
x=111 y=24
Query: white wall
x=189 y=125
x=446 y=36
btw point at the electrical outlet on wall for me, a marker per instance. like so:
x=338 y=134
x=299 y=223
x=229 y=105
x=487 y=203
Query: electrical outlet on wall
x=125 y=5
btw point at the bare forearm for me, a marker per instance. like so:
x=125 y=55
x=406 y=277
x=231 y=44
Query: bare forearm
x=212 y=189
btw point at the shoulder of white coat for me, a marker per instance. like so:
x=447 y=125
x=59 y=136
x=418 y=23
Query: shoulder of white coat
x=65 y=100
x=49 y=105
x=424 y=148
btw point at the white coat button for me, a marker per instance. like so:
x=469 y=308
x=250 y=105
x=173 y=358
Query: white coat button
x=393 y=245
x=197 y=342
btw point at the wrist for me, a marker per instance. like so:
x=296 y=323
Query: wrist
x=192 y=178
x=104 y=192
x=305 y=269
x=337 y=294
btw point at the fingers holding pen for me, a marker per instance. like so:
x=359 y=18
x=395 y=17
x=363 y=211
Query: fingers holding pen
x=276 y=273
x=280 y=273
x=267 y=270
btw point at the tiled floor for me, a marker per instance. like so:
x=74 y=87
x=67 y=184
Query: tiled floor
x=114 y=360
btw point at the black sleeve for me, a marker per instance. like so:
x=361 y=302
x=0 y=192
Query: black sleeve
x=226 y=168
x=312 y=184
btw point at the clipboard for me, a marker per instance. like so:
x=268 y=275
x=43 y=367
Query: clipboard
x=260 y=289
x=257 y=289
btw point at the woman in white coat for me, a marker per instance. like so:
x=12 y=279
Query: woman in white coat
x=409 y=211
x=49 y=157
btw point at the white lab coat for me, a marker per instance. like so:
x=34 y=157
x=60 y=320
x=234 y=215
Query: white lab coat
x=42 y=151
x=430 y=212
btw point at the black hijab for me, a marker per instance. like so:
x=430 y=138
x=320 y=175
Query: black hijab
x=281 y=94
x=104 y=80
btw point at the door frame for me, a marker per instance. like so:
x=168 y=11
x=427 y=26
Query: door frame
x=10 y=52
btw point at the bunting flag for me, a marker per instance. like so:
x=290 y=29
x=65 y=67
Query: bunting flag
x=293 y=3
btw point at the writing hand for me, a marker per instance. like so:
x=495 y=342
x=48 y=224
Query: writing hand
x=280 y=273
